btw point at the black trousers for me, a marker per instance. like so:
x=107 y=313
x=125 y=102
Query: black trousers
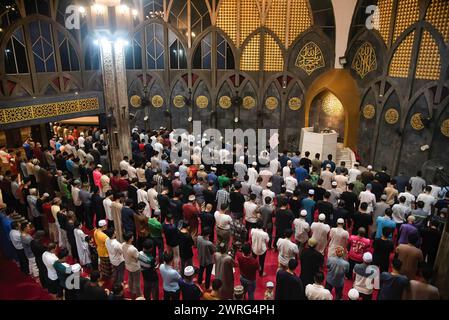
x=168 y=295
x=249 y=226
x=262 y=263
x=159 y=244
x=338 y=291
x=208 y=270
x=23 y=261
x=88 y=217
x=352 y=264
x=79 y=213
x=151 y=289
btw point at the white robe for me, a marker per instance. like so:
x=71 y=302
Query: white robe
x=82 y=247
x=142 y=196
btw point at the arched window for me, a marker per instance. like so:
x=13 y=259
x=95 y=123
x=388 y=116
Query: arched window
x=69 y=58
x=15 y=54
x=154 y=37
x=225 y=58
x=178 y=59
x=133 y=52
x=42 y=46
x=203 y=54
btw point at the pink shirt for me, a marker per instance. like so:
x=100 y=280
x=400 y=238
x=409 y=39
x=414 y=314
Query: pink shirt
x=358 y=246
x=97 y=177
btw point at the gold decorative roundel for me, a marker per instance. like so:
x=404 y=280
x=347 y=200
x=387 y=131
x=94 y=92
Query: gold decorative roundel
x=157 y=101
x=271 y=103
x=331 y=106
x=202 y=102
x=416 y=122
x=135 y=101
x=249 y=102
x=392 y=116
x=445 y=128
x=225 y=102
x=369 y=111
x=179 y=101
x=294 y=103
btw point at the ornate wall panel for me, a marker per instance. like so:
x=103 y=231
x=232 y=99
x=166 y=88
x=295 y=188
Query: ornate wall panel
x=429 y=62
x=365 y=60
x=293 y=119
x=384 y=15
x=48 y=110
x=368 y=121
x=227 y=18
x=300 y=19
x=438 y=15
x=400 y=64
x=250 y=60
x=248 y=116
x=310 y=58
x=179 y=111
x=389 y=135
x=413 y=139
x=406 y=15
x=273 y=58
x=277 y=18
x=202 y=105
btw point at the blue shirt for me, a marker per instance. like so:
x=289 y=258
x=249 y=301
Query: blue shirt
x=326 y=162
x=308 y=205
x=69 y=165
x=338 y=267
x=295 y=161
x=301 y=174
x=383 y=222
x=170 y=278
x=213 y=177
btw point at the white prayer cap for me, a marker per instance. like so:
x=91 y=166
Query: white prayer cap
x=189 y=271
x=340 y=221
x=176 y=174
x=311 y=192
x=213 y=169
x=46 y=195
x=303 y=213
x=99 y=166
x=102 y=223
x=269 y=184
x=353 y=294
x=185 y=161
x=148 y=164
x=192 y=197
x=254 y=164
x=242 y=158
x=322 y=217
x=270 y=284
x=328 y=165
x=201 y=166
x=289 y=162
x=334 y=183
x=367 y=257
x=370 y=167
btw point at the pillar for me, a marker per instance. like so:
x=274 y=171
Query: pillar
x=116 y=100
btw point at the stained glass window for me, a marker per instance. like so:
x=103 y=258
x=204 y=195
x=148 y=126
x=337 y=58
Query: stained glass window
x=225 y=58
x=15 y=54
x=178 y=59
x=154 y=36
x=69 y=58
x=202 y=57
x=42 y=46
x=133 y=52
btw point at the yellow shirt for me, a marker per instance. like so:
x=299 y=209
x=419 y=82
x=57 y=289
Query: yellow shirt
x=100 y=241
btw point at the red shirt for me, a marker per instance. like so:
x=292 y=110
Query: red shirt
x=123 y=185
x=358 y=246
x=115 y=181
x=248 y=267
x=190 y=213
x=46 y=208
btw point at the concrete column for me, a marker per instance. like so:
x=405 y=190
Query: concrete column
x=343 y=11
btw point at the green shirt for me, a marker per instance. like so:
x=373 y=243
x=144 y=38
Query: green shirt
x=155 y=228
x=358 y=187
x=222 y=179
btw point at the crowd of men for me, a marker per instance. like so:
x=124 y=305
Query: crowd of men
x=65 y=212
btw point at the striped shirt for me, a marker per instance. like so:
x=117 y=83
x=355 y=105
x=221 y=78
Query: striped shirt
x=222 y=197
